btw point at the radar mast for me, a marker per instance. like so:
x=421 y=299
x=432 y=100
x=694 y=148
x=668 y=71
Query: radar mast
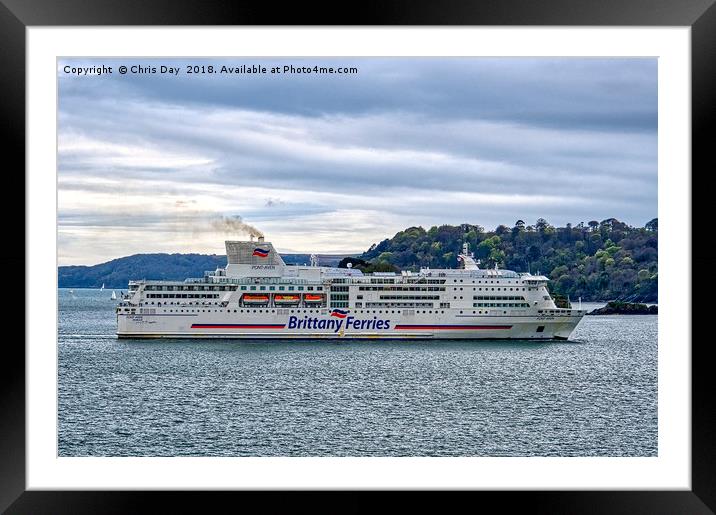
x=467 y=258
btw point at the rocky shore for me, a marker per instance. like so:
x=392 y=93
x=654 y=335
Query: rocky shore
x=625 y=308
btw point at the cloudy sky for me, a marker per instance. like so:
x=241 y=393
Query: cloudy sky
x=334 y=163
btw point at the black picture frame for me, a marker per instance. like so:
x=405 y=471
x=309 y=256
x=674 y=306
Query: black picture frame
x=17 y=15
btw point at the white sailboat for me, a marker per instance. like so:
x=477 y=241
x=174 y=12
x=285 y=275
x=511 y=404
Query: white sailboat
x=102 y=288
x=114 y=295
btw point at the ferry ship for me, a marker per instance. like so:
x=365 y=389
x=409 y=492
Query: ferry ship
x=258 y=296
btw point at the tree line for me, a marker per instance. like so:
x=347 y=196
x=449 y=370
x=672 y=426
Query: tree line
x=607 y=260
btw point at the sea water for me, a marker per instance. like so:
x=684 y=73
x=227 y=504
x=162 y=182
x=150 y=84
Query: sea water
x=595 y=395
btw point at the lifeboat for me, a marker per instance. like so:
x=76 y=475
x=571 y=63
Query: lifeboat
x=255 y=299
x=286 y=299
x=313 y=298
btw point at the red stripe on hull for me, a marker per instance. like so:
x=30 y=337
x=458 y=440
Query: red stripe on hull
x=458 y=327
x=237 y=326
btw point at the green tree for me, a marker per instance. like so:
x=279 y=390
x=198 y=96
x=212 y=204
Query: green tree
x=607 y=260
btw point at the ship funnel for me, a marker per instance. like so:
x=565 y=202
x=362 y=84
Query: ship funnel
x=261 y=238
x=252 y=253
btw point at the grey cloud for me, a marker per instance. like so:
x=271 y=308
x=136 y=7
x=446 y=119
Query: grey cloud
x=563 y=93
x=406 y=137
x=531 y=154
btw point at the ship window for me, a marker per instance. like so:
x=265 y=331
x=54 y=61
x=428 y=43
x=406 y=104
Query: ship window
x=272 y=288
x=319 y=288
x=290 y=288
x=281 y=288
x=300 y=288
x=310 y=288
x=540 y=329
x=243 y=287
x=253 y=287
x=262 y=287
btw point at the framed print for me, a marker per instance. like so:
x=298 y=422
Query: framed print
x=313 y=366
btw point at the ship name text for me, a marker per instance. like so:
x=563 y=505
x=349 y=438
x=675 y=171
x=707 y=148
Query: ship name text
x=336 y=324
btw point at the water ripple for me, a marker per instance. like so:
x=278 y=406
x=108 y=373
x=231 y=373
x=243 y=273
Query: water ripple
x=594 y=396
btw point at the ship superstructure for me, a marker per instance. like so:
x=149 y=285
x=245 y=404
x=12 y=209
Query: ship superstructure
x=258 y=296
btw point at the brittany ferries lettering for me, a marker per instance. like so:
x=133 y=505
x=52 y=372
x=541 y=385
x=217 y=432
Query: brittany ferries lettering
x=258 y=296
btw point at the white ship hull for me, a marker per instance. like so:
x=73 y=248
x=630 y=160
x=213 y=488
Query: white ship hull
x=264 y=326
x=257 y=296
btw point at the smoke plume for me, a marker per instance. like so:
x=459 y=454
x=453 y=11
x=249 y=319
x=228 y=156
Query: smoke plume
x=234 y=224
